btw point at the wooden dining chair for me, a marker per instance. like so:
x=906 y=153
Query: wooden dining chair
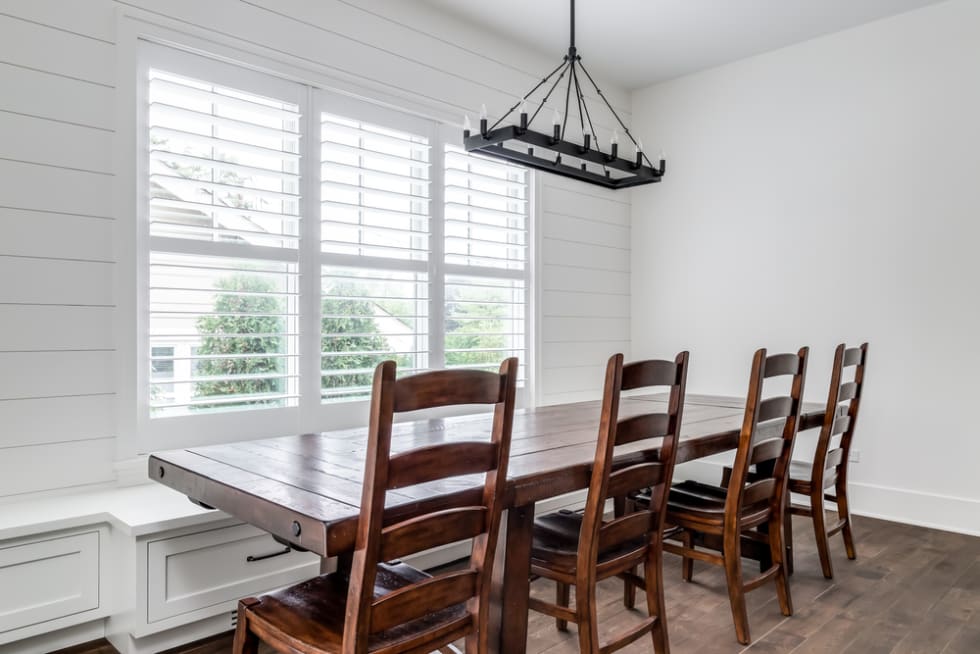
x=577 y=550
x=829 y=467
x=381 y=605
x=719 y=518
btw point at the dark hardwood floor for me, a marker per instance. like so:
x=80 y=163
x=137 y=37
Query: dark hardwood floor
x=911 y=591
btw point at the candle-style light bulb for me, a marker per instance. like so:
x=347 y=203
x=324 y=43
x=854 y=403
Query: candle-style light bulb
x=483 y=120
x=483 y=112
x=467 y=126
x=556 y=126
x=639 y=153
x=663 y=162
x=523 y=112
x=614 y=145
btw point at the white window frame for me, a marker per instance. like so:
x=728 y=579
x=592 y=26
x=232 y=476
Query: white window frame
x=311 y=414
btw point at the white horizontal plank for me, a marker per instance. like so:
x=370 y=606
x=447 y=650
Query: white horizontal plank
x=581 y=230
x=560 y=184
x=93 y=18
x=52 y=281
x=40 y=47
x=574 y=278
x=571 y=303
x=584 y=205
x=568 y=253
x=33 y=327
x=63 y=465
x=580 y=353
x=47 y=188
x=58 y=98
x=573 y=379
x=55 y=235
x=55 y=374
x=39 y=140
x=556 y=330
x=56 y=419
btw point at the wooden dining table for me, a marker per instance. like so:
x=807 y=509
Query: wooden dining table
x=306 y=489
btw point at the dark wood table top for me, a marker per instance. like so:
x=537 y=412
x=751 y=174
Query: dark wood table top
x=306 y=489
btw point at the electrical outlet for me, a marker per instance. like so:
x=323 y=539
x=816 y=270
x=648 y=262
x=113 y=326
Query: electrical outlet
x=855 y=456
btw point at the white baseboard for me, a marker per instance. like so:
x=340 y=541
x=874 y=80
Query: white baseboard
x=932 y=510
x=945 y=512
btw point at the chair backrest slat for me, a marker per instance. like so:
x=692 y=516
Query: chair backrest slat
x=433 y=462
x=772 y=408
x=648 y=425
x=766 y=450
x=429 y=596
x=641 y=475
x=627 y=528
x=447 y=387
x=834 y=458
x=848 y=391
x=661 y=428
x=653 y=372
x=782 y=364
x=432 y=530
x=385 y=535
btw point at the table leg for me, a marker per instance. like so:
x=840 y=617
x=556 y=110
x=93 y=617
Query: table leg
x=513 y=581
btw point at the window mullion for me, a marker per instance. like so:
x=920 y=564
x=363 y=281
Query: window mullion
x=437 y=252
x=309 y=265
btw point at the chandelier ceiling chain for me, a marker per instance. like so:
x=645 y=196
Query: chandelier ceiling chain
x=492 y=140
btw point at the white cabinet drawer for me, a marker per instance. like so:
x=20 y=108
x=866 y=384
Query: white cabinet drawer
x=205 y=569
x=48 y=579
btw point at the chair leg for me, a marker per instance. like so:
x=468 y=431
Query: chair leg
x=246 y=642
x=629 y=591
x=819 y=517
x=588 y=630
x=623 y=506
x=732 y=555
x=562 y=599
x=788 y=558
x=844 y=514
x=687 y=564
x=653 y=574
x=778 y=552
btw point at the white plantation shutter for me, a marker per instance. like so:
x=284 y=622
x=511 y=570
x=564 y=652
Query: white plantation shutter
x=486 y=261
x=223 y=181
x=254 y=320
x=375 y=240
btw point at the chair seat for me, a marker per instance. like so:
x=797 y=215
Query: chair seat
x=556 y=538
x=696 y=502
x=313 y=611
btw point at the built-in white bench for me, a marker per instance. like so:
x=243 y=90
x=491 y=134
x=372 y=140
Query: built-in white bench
x=141 y=566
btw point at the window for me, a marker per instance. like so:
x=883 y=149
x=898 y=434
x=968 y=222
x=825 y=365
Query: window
x=294 y=238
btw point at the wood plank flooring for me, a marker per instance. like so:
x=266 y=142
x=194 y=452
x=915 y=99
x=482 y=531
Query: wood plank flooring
x=911 y=591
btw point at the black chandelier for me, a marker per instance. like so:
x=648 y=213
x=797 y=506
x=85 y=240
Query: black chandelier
x=608 y=169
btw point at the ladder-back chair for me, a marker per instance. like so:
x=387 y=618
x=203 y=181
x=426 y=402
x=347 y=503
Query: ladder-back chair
x=384 y=606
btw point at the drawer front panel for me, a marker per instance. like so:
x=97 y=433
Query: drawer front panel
x=48 y=579
x=192 y=572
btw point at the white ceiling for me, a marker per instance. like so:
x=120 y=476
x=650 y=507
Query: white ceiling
x=636 y=43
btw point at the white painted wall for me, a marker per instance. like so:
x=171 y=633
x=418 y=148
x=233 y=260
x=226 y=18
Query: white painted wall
x=66 y=262
x=822 y=193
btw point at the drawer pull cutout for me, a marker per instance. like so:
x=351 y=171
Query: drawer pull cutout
x=250 y=558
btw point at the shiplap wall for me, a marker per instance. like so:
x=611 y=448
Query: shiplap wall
x=59 y=387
